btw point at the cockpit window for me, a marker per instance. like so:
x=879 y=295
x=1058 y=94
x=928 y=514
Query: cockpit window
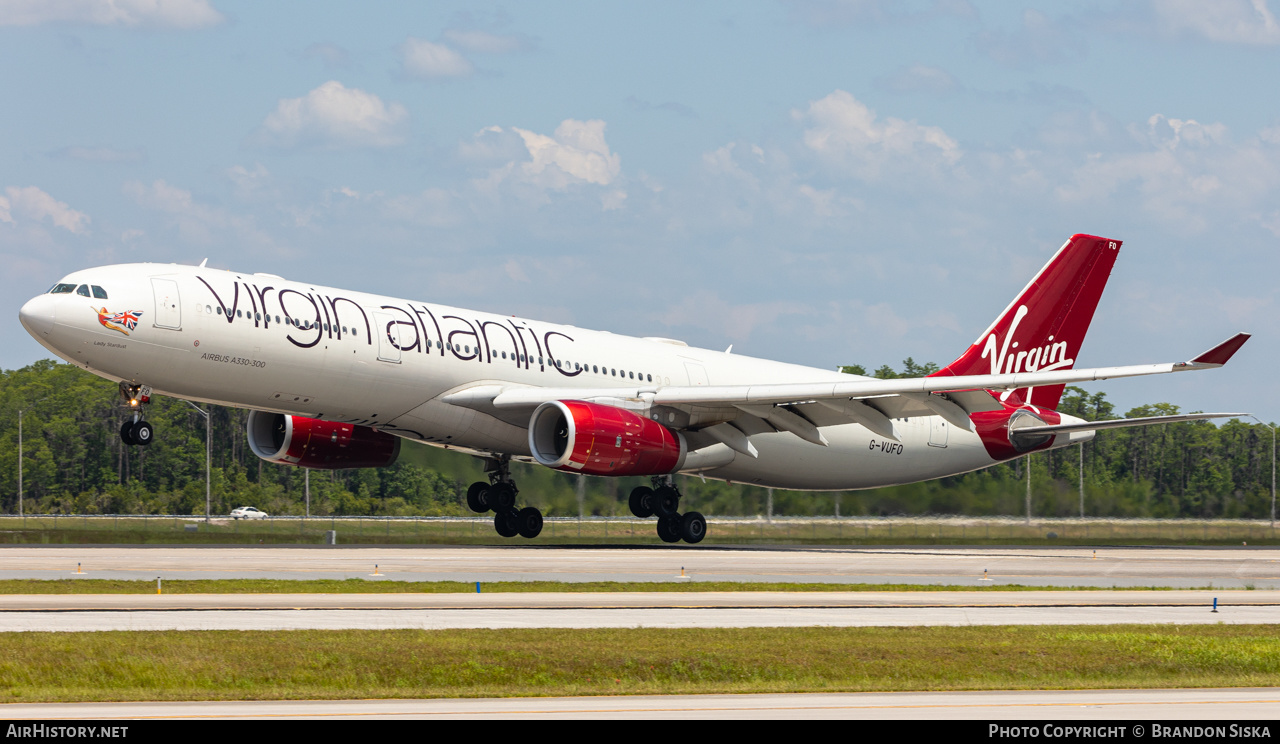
x=62 y=289
x=83 y=290
x=99 y=292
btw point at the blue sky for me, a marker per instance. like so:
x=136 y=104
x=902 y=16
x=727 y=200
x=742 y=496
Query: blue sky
x=820 y=181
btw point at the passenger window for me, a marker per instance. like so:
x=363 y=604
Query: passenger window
x=650 y=378
x=613 y=372
x=632 y=375
x=99 y=292
x=595 y=369
x=237 y=313
x=219 y=310
x=277 y=318
x=257 y=316
x=344 y=329
x=83 y=290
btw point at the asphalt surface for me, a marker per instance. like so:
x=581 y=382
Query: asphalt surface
x=1240 y=705
x=78 y=613
x=1188 y=568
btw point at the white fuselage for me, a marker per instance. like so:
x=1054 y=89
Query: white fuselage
x=387 y=363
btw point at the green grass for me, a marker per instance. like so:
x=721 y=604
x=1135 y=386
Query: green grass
x=275 y=665
x=86 y=530
x=362 y=586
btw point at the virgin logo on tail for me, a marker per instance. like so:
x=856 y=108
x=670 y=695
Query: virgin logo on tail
x=1007 y=358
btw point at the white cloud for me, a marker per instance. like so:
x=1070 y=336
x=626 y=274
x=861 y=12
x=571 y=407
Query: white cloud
x=919 y=78
x=1172 y=133
x=1227 y=21
x=331 y=55
x=129 y=13
x=195 y=222
x=484 y=42
x=705 y=309
x=101 y=154
x=576 y=154
x=425 y=59
x=30 y=202
x=335 y=116
x=845 y=131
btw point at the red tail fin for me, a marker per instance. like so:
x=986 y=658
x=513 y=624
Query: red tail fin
x=1045 y=325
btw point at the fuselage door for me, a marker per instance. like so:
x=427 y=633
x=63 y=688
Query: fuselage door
x=388 y=331
x=168 y=305
x=938 y=427
x=697 y=374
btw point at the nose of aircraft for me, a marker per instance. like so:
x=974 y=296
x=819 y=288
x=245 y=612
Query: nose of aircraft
x=37 y=315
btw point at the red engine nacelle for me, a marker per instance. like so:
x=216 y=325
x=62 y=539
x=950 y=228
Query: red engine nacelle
x=996 y=428
x=322 y=445
x=590 y=438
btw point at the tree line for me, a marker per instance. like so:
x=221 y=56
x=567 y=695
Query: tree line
x=74 y=463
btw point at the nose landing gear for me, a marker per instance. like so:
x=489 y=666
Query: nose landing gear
x=136 y=431
x=499 y=496
x=664 y=500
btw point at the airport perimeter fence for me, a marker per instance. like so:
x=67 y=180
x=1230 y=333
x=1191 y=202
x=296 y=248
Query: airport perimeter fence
x=861 y=530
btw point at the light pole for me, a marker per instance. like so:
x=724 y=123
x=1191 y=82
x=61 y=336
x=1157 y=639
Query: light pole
x=208 y=454
x=1028 y=488
x=1273 y=467
x=20 y=412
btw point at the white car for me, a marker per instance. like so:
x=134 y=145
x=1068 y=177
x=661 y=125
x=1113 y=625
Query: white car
x=247 y=512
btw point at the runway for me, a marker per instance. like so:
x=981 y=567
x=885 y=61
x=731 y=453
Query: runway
x=1187 y=568
x=1242 y=705
x=78 y=613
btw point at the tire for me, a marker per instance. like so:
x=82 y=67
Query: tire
x=505 y=522
x=641 y=501
x=669 y=528
x=126 y=432
x=693 y=527
x=477 y=497
x=665 y=501
x=500 y=496
x=529 y=522
x=142 y=433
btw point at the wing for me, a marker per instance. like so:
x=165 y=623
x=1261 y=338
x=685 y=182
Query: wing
x=803 y=408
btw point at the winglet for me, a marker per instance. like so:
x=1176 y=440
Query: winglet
x=1222 y=353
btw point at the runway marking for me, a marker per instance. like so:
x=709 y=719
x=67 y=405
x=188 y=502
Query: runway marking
x=691 y=709
x=509 y=608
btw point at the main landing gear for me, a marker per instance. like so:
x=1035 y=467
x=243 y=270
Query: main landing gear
x=499 y=496
x=135 y=430
x=664 y=500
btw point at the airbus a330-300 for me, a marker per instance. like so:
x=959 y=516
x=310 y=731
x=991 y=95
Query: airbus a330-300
x=337 y=379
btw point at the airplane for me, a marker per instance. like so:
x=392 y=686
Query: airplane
x=337 y=379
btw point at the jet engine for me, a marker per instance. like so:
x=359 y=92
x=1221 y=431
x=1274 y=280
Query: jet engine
x=595 y=439
x=322 y=445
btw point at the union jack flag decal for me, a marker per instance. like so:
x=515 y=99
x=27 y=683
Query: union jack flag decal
x=122 y=322
x=128 y=319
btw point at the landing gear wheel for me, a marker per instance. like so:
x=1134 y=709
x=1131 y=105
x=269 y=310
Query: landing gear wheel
x=142 y=433
x=665 y=501
x=126 y=432
x=505 y=522
x=641 y=501
x=669 y=528
x=500 y=496
x=529 y=522
x=693 y=527
x=478 y=497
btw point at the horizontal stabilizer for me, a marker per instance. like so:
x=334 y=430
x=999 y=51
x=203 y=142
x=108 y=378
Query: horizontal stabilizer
x=1026 y=431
